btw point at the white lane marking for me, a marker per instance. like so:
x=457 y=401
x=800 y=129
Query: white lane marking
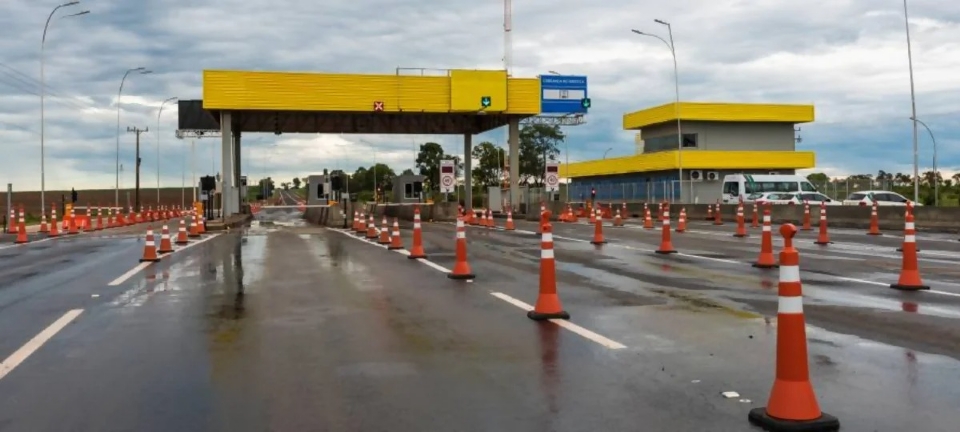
x=129 y=274
x=944 y=293
x=34 y=344
x=606 y=342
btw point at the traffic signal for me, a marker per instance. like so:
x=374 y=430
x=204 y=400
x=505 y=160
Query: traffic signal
x=73 y=195
x=485 y=101
x=336 y=183
x=585 y=103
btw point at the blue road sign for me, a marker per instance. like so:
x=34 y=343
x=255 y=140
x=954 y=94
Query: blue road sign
x=563 y=94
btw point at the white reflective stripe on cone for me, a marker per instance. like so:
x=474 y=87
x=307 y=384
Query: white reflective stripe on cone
x=767 y=228
x=546 y=254
x=789 y=273
x=910 y=238
x=461 y=235
x=790 y=305
x=910 y=225
x=547 y=237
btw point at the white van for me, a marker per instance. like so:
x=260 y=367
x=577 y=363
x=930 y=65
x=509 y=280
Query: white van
x=737 y=186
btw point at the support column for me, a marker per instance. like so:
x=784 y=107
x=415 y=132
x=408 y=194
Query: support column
x=226 y=163
x=237 y=199
x=467 y=171
x=513 y=142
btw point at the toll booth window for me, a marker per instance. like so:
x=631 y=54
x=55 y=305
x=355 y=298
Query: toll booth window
x=408 y=191
x=689 y=140
x=320 y=191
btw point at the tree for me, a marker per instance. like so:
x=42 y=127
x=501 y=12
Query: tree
x=407 y=171
x=537 y=143
x=305 y=181
x=296 y=183
x=285 y=185
x=818 y=179
x=428 y=163
x=364 y=177
x=489 y=168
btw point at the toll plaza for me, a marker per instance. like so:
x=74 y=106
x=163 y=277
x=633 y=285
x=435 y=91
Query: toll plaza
x=460 y=102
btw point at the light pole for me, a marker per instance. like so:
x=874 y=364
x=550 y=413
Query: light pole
x=142 y=71
x=43 y=89
x=607 y=151
x=913 y=107
x=936 y=177
x=158 y=144
x=676 y=83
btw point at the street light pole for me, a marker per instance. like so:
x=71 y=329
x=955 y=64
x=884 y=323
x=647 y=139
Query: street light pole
x=43 y=90
x=142 y=71
x=158 y=144
x=936 y=177
x=676 y=83
x=607 y=151
x=913 y=106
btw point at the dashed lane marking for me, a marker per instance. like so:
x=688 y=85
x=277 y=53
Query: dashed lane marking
x=587 y=334
x=123 y=278
x=34 y=344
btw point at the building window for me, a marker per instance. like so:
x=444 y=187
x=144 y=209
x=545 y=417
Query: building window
x=690 y=140
x=408 y=191
x=669 y=142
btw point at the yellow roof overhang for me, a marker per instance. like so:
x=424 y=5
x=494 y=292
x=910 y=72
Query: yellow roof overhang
x=719 y=112
x=695 y=159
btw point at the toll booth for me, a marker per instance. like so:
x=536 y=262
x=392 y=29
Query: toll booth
x=318 y=189
x=408 y=188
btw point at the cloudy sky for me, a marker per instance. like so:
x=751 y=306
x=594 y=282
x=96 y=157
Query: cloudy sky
x=848 y=57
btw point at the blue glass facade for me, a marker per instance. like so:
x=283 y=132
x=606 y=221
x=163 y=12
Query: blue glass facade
x=654 y=186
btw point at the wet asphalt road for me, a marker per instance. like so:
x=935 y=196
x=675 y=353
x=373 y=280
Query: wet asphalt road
x=291 y=328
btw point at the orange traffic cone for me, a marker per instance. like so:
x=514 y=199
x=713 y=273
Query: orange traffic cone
x=182 y=234
x=623 y=210
x=12 y=224
x=483 y=219
x=385 y=232
x=617 y=220
x=99 y=226
x=165 y=246
x=756 y=216
x=647 y=219
x=597 y=231
x=593 y=216
x=709 y=212
x=416 y=251
x=54 y=232
x=201 y=225
x=823 y=238
x=461 y=269
x=194 y=229
x=44 y=228
x=666 y=246
x=509 y=226
x=361 y=227
x=909 y=271
x=490 y=222
x=149 y=248
x=766 y=258
x=21 y=229
x=548 y=302
x=792 y=405
x=371 y=229
x=682 y=221
x=806 y=217
x=874 y=221
x=396 y=243
x=354 y=220
x=73 y=224
x=741 y=223
x=718 y=216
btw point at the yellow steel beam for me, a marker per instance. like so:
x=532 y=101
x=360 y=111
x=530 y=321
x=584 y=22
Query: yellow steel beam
x=697 y=159
x=721 y=112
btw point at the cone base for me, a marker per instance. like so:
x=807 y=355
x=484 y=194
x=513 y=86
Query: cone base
x=383 y=243
x=826 y=422
x=909 y=287
x=806 y=229
x=665 y=252
x=598 y=243
x=874 y=233
x=181 y=243
x=149 y=259
x=461 y=276
x=394 y=247
x=822 y=243
x=193 y=235
x=741 y=235
x=21 y=242
x=900 y=249
x=766 y=266
x=412 y=256
x=540 y=316
x=679 y=230
x=165 y=251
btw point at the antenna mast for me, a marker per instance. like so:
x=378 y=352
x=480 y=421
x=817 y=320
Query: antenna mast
x=507 y=29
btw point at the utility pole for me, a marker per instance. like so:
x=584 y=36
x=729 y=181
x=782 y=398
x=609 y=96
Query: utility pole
x=136 y=193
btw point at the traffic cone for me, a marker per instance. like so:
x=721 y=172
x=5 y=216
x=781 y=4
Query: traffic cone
x=593 y=217
x=623 y=210
x=741 y=223
x=490 y=221
x=682 y=221
x=823 y=238
x=201 y=224
x=509 y=226
x=718 y=216
x=361 y=227
x=617 y=220
x=909 y=271
x=12 y=225
x=874 y=221
x=54 y=232
x=461 y=269
x=194 y=229
x=44 y=228
x=65 y=227
x=792 y=405
x=597 y=231
x=647 y=219
x=548 y=302
x=165 y=246
x=371 y=229
x=99 y=226
x=416 y=250
x=384 y=233
x=756 y=217
x=182 y=233
x=354 y=220
x=483 y=219
x=806 y=217
x=73 y=224
x=21 y=229
x=766 y=258
x=396 y=242
x=666 y=246
x=709 y=212
x=149 y=248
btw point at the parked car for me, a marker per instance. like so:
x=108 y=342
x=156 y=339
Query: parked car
x=882 y=198
x=813 y=198
x=736 y=186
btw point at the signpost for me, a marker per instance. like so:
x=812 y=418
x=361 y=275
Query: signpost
x=551 y=177
x=447 y=177
x=564 y=94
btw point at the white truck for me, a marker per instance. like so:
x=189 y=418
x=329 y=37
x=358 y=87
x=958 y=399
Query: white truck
x=740 y=186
